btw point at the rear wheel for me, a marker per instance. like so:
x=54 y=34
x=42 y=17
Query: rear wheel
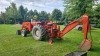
x=38 y=32
x=24 y=33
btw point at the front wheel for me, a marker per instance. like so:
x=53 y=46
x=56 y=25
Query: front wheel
x=24 y=33
x=18 y=32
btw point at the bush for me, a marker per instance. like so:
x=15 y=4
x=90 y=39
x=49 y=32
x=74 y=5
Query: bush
x=60 y=23
x=98 y=26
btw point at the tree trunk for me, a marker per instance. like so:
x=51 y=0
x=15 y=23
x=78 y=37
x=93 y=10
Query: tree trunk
x=4 y=22
x=15 y=21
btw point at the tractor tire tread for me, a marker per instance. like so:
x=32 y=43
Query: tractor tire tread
x=43 y=32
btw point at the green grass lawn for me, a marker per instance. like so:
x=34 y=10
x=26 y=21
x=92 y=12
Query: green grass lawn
x=16 y=45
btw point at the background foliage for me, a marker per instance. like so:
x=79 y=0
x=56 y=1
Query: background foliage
x=74 y=9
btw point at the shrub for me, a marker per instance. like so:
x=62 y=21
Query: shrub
x=60 y=23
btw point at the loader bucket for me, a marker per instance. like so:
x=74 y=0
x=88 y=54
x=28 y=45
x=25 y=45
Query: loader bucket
x=86 y=44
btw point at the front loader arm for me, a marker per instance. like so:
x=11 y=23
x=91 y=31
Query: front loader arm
x=84 y=21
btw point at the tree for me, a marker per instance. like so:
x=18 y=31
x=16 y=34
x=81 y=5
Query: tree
x=1 y=21
x=64 y=17
x=76 y=8
x=22 y=12
x=26 y=14
x=97 y=15
x=49 y=16
x=8 y=13
x=43 y=15
x=3 y=17
x=35 y=12
x=14 y=11
x=30 y=15
x=26 y=10
x=56 y=14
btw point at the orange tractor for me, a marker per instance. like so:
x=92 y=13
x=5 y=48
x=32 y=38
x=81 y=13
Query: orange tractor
x=47 y=28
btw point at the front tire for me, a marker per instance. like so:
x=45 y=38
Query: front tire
x=24 y=33
x=18 y=32
x=38 y=32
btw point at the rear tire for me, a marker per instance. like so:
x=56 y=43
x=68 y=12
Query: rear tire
x=24 y=33
x=38 y=32
x=18 y=32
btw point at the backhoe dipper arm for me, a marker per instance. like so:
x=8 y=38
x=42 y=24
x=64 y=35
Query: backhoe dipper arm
x=84 y=21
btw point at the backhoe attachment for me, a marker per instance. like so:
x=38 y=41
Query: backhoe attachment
x=86 y=43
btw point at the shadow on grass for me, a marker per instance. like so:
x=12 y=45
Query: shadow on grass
x=95 y=49
x=95 y=28
x=64 y=40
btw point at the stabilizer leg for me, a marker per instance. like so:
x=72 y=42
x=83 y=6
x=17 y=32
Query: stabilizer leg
x=50 y=40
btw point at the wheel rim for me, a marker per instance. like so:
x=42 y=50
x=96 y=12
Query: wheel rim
x=23 y=33
x=37 y=33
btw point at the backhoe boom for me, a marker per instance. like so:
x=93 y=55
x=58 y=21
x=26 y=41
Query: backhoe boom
x=86 y=44
x=84 y=21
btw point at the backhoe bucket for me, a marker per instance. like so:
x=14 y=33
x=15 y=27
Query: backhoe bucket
x=86 y=44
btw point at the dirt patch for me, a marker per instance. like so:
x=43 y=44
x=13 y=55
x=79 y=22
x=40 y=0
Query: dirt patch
x=17 y=25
